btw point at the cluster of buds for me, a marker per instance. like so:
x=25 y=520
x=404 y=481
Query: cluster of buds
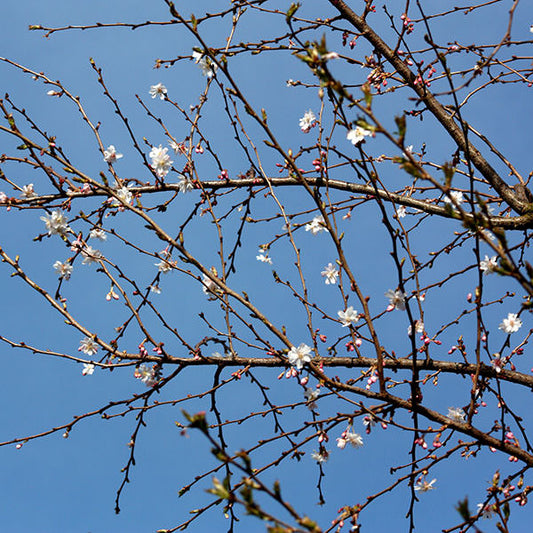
x=436 y=441
x=459 y=346
x=323 y=437
x=321 y=336
x=158 y=349
x=377 y=77
x=353 y=41
x=143 y=352
x=292 y=372
x=407 y=23
x=421 y=81
x=521 y=499
x=317 y=163
x=428 y=340
x=112 y=295
x=511 y=439
x=421 y=442
x=238 y=373
x=223 y=175
x=372 y=379
x=350 y=346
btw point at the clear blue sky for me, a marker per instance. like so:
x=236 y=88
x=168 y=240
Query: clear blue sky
x=68 y=485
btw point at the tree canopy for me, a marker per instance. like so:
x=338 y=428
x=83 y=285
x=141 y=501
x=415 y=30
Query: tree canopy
x=282 y=250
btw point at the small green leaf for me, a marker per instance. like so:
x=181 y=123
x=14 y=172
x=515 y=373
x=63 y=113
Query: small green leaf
x=449 y=171
x=402 y=127
x=197 y=420
x=291 y=11
x=219 y=489
x=463 y=510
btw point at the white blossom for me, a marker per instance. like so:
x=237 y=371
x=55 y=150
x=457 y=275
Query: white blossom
x=263 y=256
x=299 y=356
x=56 y=223
x=396 y=299
x=98 y=233
x=209 y=286
x=124 y=194
x=177 y=147
x=158 y=90
x=28 y=191
x=111 y=154
x=161 y=162
x=64 y=269
x=419 y=327
x=320 y=457
x=341 y=443
x=498 y=362
x=354 y=439
x=155 y=289
x=400 y=211
x=357 y=135
x=308 y=121
x=317 y=225
x=91 y=255
x=454 y=198
x=330 y=273
x=489 y=264
x=456 y=414
x=3 y=197
x=207 y=66
x=165 y=266
x=348 y=317
x=185 y=184
x=148 y=375
x=511 y=324
x=311 y=394
x=88 y=346
x=88 y=369
x=486 y=511
x=425 y=486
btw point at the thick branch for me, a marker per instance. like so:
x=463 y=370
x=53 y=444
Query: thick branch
x=434 y=106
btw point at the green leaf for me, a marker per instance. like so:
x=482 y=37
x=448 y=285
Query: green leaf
x=309 y=524
x=291 y=11
x=197 y=420
x=402 y=127
x=220 y=489
x=449 y=171
x=463 y=510
x=367 y=91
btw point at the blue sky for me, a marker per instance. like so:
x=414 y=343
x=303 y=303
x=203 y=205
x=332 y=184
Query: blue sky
x=69 y=485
